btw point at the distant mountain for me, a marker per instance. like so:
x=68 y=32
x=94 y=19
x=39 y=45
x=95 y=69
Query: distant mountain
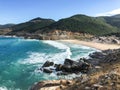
x=6 y=26
x=75 y=24
x=82 y=24
x=116 y=16
x=113 y=20
x=32 y=25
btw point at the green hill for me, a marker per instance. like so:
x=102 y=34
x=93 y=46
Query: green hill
x=113 y=20
x=32 y=25
x=82 y=24
x=77 y=23
x=6 y=26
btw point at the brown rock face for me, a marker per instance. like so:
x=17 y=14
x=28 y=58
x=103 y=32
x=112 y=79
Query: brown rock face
x=4 y=31
x=52 y=85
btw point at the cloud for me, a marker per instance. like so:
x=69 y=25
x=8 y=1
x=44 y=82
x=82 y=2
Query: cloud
x=110 y=13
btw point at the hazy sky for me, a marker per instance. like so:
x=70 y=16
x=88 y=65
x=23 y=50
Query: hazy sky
x=17 y=11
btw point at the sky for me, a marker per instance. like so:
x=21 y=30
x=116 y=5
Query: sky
x=18 y=11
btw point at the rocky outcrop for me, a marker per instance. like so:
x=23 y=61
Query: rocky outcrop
x=106 y=39
x=83 y=65
x=47 y=64
x=109 y=81
x=52 y=35
x=52 y=85
x=106 y=56
x=104 y=75
x=69 y=67
x=5 y=31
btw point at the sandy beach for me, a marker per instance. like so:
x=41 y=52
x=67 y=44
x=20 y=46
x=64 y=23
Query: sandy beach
x=99 y=46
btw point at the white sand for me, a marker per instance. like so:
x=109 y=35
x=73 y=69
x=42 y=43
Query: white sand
x=99 y=46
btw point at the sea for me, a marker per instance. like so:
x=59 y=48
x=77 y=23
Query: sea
x=20 y=59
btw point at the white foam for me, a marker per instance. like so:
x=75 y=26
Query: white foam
x=28 y=40
x=3 y=88
x=40 y=58
x=58 y=58
x=55 y=44
x=80 y=46
x=60 y=46
x=35 y=57
x=31 y=40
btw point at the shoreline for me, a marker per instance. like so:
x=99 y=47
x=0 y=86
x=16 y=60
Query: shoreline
x=99 y=46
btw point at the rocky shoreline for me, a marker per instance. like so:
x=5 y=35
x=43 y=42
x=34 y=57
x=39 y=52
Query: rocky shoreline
x=99 y=66
x=106 y=39
x=100 y=72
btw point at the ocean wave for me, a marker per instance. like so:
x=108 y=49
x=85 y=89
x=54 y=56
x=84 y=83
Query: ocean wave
x=60 y=46
x=36 y=57
x=40 y=58
x=28 y=40
x=55 y=44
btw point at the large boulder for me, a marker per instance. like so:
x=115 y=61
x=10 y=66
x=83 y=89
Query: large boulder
x=47 y=64
x=58 y=67
x=47 y=70
x=69 y=62
x=71 y=66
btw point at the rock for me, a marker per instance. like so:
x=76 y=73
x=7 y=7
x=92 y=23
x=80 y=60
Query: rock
x=66 y=68
x=87 y=88
x=69 y=62
x=47 y=64
x=71 y=66
x=106 y=39
x=62 y=73
x=52 y=85
x=115 y=41
x=58 y=67
x=66 y=82
x=97 y=85
x=106 y=56
x=47 y=70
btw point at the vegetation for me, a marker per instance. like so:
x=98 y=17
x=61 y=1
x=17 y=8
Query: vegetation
x=112 y=20
x=6 y=26
x=33 y=25
x=76 y=23
x=83 y=24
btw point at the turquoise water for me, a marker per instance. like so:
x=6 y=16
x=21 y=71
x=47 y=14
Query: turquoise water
x=20 y=59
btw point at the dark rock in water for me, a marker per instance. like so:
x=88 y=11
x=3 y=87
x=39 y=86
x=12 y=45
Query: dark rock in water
x=58 y=67
x=69 y=62
x=66 y=68
x=62 y=73
x=47 y=70
x=74 y=66
x=47 y=64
